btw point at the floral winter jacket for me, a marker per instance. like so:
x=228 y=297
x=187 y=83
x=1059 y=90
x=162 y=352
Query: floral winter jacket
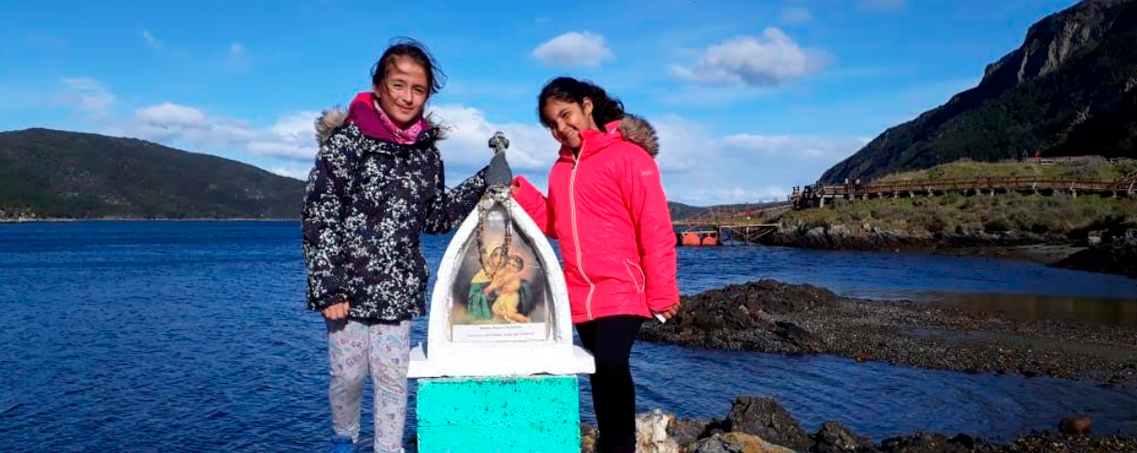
x=367 y=202
x=609 y=211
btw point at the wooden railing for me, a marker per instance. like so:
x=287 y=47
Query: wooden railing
x=1005 y=184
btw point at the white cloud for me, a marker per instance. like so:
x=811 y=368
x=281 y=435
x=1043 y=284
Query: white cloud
x=769 y=60
x=733 y=195
x=83 y=84
x=683 y=144
x=699 y=166
x=150 y=40
x=690 y=146
x=530 y=146
x=790 y=147
x=574 y=49
x=291 y=137
x=882 y=5
x=796 y=15
x=89 y=95
x=168 y=114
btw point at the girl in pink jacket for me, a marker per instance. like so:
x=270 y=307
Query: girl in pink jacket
x=607 y=207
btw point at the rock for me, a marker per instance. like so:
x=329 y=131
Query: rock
x=765 y=418
x=833 y=437
x=1045 y=442
x=1113 y=254
x=797 y=336
x=923 y=442
x=919 y=443
x=1074 y=426
x=737 y=443
x=816 y=237
x=651 y=433
x=588 y=436
x=774 y=317
x=686 y=432
x=839 y=231
x=740 y=317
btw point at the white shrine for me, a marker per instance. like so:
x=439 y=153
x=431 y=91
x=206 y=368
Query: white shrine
x=499 y=306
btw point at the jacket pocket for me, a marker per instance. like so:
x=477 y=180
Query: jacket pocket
x=637 y=275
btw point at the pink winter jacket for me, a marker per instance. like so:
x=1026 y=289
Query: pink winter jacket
x=609 y=211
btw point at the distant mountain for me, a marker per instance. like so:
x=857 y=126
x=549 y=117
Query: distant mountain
x=1071 y=89
x=57 y=174
x=680 y=211
x=70 y=175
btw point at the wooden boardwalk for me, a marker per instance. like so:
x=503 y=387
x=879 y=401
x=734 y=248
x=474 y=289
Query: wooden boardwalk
x=819 y=195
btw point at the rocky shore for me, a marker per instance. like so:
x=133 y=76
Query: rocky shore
x=1113 y=254
x=1095 y=251
x=761 y=425
x=770 y=316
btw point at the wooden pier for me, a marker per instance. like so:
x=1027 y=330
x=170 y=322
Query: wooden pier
x=746 y=224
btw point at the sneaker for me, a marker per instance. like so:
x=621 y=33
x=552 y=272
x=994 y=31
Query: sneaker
x=342 y=444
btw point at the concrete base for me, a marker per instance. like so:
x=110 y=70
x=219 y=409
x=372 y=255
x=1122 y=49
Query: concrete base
x=499 y=415
x=504 y=360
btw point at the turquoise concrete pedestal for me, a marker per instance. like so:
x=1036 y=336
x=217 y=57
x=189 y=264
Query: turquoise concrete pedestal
x=499 y=415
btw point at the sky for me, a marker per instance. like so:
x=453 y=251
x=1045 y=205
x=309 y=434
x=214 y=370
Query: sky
x=750 y=98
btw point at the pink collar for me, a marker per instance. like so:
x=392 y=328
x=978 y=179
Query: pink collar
x=365 y=113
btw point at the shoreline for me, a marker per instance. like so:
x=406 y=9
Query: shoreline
x=774 y=317
x=1104 y=252
x=1048 y=254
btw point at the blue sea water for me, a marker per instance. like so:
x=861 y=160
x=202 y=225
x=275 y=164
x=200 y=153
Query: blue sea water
x=192 y=336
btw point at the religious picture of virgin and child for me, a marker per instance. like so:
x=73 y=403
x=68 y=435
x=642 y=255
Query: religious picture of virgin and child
x=500 y=280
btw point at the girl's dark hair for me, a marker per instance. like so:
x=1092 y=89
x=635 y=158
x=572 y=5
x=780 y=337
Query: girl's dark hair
x=605 y=109
x=407 y=47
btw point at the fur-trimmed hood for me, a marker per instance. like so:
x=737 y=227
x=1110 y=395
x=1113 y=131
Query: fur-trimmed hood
x=327 y=123
x=637 y=130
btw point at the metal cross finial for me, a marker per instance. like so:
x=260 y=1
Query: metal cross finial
x=498 y=142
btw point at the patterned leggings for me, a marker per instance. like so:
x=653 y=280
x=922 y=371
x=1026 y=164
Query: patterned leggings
x=356 y=348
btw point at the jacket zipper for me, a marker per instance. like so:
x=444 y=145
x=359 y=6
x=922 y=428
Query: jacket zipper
x=575 y=235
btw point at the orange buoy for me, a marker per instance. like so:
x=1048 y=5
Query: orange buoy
x=711 y=239
x=691 y=239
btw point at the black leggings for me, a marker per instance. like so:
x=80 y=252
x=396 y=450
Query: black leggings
x=613 y=392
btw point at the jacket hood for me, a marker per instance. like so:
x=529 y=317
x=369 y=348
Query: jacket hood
x=637 y=130
x=327 y=123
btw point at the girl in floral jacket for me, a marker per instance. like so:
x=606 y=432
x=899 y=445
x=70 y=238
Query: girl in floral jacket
x=377 y=185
